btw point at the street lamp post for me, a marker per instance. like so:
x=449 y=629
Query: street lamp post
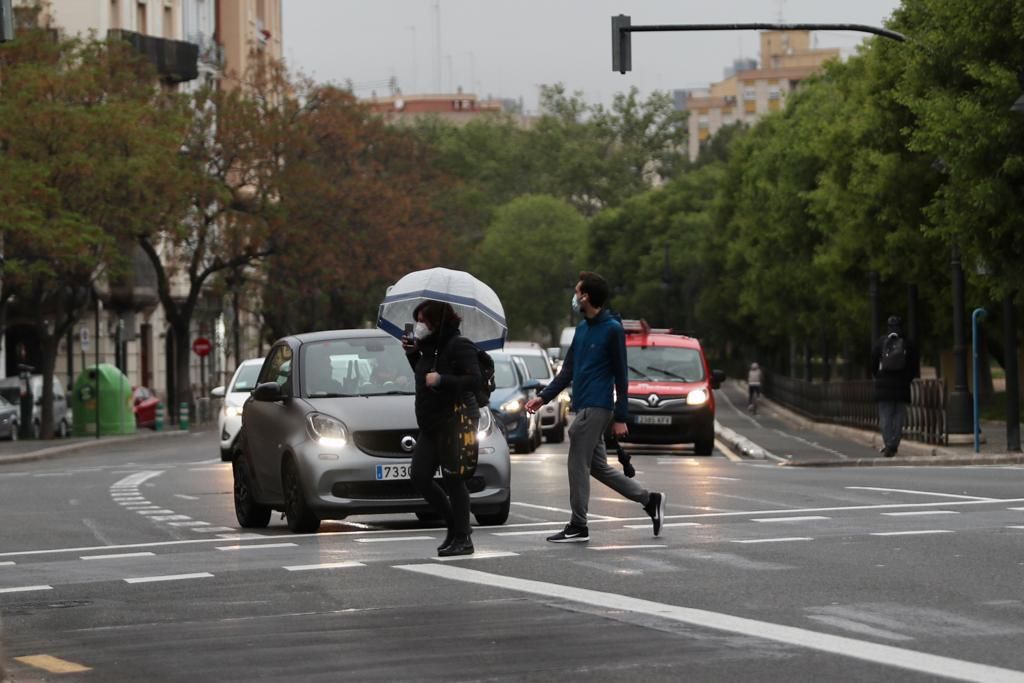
x=958 y=408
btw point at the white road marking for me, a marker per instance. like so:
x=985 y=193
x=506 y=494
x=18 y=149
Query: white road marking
x=562 y=510
x=1016 y=509
x=211 y=461
x=170 y=518
x=858 y=627
x=256 y=547
x=615 y=500
x=812 y=444
x=25 y=589
x=663 y=526
x=482 y=555
x=221 y=468
x=325 y=565
x=116 y=556
x=912 y=533
x=135 y=479
x=396 y=538
x=624 y=547
x=776 y=540
x=919 y=493
x=522 y=533
x=788 y=519
x=723 y=478
x=156 y=512
x=182 y=495
x=920 y=513
x=53 y=474
x=190 y=524
x=1015 y=527
x=212 y=529
x=7 y=564
x=888 y=655
x=169 y=577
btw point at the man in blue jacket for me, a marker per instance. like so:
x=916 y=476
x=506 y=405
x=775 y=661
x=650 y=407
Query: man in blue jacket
x=595 y=365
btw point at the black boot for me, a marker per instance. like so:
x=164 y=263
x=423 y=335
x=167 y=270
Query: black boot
x=448 y=538
x=461 y=545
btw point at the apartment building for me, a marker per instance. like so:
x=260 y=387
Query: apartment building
x=749 y=91
x=459 y=107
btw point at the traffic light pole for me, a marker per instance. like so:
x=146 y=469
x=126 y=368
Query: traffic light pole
x=622 y=45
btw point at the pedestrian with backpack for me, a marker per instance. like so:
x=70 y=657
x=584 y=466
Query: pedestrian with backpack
x=894 y=365
x=448 y=378
x=595 y=365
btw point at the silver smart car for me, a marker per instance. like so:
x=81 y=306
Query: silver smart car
x=329 y=432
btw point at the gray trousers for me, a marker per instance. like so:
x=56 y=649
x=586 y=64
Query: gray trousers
x=587 y=458
x=891 y=417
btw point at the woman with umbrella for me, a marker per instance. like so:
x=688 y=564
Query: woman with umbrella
x=447 y=375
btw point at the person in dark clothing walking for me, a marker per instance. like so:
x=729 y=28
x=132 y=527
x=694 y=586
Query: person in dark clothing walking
x=894 y=365
x=596 y=367
x=447 y=372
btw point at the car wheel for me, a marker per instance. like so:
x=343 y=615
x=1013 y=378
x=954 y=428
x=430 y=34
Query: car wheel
x=225 y=455
x=556 y=434
x=250 y=514
x=495 y=518
x=301 y=519
x=704 y=446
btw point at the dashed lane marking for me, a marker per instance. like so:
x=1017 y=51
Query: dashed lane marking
x=626 y=547
x=396 y=538
x=116 y=556
x=522 y=533
x=7 y=564
x=887 y=655
x=186 y=497
x=921 y=532
x=784 y=539
x=480 y=555
x=324 y=565
x=263 y=546
x=169 y=577
x=920 y=513
x=25 y=589
x=663 y=526
x=51 y=664
x=563 y=511
x=920 y=493
x=805 y=518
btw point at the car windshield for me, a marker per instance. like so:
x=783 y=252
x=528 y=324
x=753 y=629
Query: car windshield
x=537 y=366
x=369 y=366
x=504 y=375
x=246 y=378
x=664 y=364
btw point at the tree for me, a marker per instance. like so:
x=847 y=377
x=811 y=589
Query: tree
x=531 y=256
x=85 y=139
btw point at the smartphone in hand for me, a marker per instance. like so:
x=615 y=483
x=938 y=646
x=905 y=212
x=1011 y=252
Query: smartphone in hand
x=408 y=341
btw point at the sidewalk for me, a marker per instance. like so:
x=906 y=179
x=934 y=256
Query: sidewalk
x=778 y=434
x=29 y=450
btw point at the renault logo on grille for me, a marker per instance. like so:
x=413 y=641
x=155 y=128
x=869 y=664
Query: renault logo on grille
x=408 y=443
x=652 y=400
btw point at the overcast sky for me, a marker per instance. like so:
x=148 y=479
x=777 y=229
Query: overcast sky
x=507 y=48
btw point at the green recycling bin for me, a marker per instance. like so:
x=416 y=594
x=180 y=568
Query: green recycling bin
x=117 y=415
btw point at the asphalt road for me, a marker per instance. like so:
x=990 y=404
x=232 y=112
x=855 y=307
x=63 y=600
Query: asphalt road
x=127 y=565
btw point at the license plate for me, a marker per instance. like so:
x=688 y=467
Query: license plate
x=654 y=419
x=388 y=472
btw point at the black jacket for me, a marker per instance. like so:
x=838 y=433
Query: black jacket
x=894 y=385
x=457 y=363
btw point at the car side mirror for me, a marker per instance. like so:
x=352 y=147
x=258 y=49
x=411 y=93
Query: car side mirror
x=268 y=391
x=532 y=385
x=717 y=377
x=217 y=392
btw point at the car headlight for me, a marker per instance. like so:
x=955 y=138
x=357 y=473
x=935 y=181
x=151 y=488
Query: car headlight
x=485 y=426
x=512 y=406
x=232 y=411
x=697 y=397
x=326 y=430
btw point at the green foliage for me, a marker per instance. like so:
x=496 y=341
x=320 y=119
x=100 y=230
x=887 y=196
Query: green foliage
x=531 y=257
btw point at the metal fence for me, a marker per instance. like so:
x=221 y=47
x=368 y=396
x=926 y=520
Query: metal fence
x=852 y=403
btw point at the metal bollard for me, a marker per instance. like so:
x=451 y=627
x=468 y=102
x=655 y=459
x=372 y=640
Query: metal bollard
x=159 y=426
x=183 y=417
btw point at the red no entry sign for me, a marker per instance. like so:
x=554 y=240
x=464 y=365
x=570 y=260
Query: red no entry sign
x=201 y=346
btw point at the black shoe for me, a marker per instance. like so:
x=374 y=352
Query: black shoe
x=461 y=545
x=571 y=534
x=889 y=452
x=448 y=538
x=656 y=509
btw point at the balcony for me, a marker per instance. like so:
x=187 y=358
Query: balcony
x=175 y=60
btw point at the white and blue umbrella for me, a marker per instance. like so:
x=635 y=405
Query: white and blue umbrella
x=483 y=316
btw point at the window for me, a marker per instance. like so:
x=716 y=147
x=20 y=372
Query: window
x=168 y=22
x=664 y=364
x=504 y=375
x=140 y=17
x=749 y=94
x=774 y=94
x=537 y=367
x=246 y=379
x=279 y=367
x=703 y=122
x=115 y=14
x=366 y=366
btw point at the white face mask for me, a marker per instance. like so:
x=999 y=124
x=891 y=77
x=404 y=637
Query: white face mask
x=420 y=331
x=575 y=304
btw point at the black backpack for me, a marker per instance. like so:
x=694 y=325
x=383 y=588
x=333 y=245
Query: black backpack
x=894 y=354
x=483 y=394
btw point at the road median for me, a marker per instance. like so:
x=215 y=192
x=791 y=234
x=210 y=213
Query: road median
x=46 y=451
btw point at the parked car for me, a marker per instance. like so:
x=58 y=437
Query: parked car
x=330 y=429
x=229 y=417
x=8 y=420
x=671 y=388
x=10 y=388
x=512 y=389
x=144 y=405
x=554 y=415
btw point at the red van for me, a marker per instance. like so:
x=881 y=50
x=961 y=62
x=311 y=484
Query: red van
x=671 y=388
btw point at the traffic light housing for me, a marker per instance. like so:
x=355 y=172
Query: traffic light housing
x=622 y=46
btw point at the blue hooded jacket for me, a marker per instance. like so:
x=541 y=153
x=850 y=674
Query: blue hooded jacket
x=595 y=365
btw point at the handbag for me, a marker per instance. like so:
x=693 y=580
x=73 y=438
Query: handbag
x=458 y=446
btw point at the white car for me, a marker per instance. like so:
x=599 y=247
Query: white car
x=229 y=417
x=554 y=416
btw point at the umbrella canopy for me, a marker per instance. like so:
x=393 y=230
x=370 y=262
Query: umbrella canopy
x=483 y=317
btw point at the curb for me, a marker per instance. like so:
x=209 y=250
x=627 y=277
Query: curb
x=742 y=446
x=56 y=451
x=914 y=460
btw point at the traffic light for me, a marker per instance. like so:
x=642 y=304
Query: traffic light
x=622 y=50
x=6 y=21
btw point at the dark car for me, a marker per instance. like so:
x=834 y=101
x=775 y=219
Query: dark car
x=8 y=419
x=513 y=388
x=671 y=389
x=330 y=429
